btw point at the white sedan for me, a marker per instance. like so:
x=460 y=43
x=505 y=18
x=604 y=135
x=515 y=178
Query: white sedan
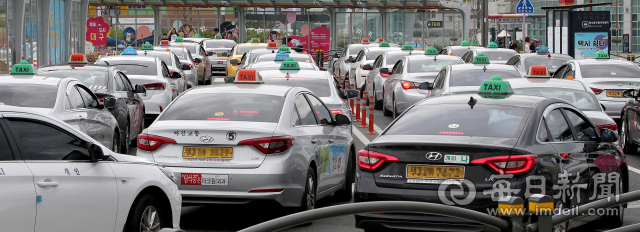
x=56 y=178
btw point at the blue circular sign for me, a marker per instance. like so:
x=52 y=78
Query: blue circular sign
x=129 y=35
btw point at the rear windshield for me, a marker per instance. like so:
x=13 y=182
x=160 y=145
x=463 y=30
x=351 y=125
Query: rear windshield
x=242 y=49
x=372 y=55
x=498 y=55
x=190 y=47
x=131 y=67
x=25 y=95
x=461 y=120
x=608 y=70
x=355 y=49
x=474 y=77
x=225 y=107
x=320 y=87
x=430 y=65
x=219 y=44
x=272 y=57
x=580 y=99
x=87 y=77
x=459 y=51
x=164 y=56
x=552 y=63
x=395 y=57
x=181 y=54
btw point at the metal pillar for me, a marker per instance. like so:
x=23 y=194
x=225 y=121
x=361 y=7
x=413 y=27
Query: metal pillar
x=241 y=33
x=333 y=44
x=66 y=31
x=383 y=14
x=44 y=7
x=157 y=25
x=18 y=27
x=84 y=8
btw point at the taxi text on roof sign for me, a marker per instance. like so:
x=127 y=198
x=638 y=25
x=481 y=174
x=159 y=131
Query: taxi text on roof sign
x=495 y=88
x=248 y=76
x=164 y=43
x=284 y=48
x=365 y=41
x=480 y=59
x=538 y=71
x=255 y=40
x=130 y=51
x=146 y=46
x=197 y=36
x=542 y=49
x=379 y=40
x=601 y=55
x=492 y=45
x=281 y=56
x=78 y=58
x=464 y=43
x=289 y=64
x=218 y=36
x=272 y=45
x=407 y=46
x=179 y=39
x=23 y=68
x=431 y=51
x=384 y=44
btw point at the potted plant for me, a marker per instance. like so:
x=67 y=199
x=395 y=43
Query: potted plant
x=616 y=41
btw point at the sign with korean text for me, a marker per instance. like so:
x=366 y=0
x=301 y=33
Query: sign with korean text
x=524 y=7
x=588 y=43
x=97 y=31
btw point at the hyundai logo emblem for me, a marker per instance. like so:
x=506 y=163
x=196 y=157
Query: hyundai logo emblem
x=206 y=139
x=433 y=156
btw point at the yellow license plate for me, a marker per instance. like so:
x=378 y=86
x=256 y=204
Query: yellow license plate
x=208 y=152
x=614 y=93
x=435 y=172
x=220 y=55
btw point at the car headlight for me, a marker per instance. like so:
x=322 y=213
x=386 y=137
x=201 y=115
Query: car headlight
x=169 y=174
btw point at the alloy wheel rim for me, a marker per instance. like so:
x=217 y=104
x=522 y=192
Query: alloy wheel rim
x=395 y=113
x=116 y=143
x=623 y=134
x=150 y=221
x=310 y=194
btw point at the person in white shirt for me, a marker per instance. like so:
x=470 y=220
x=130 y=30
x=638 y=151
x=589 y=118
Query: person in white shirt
x=296 y=44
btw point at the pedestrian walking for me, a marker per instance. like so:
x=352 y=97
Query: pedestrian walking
x=526 y=46
x=513 y=45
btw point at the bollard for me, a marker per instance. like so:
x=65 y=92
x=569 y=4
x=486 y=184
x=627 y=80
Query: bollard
x=541 y=206
x=633 y=58
x=363 y=117
x=371 y=101
x=351 y=102
x=358 y=107
x=341 y=82
x=628 y=57
x=512 y=209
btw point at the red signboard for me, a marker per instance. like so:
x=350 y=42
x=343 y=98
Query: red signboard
x=97 y=31
x=319 y=39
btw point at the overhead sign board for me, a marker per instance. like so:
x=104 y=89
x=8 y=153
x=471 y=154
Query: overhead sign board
x=524 y=7
x=434 y=24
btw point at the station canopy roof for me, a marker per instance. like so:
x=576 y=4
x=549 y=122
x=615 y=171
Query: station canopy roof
x=395 y=4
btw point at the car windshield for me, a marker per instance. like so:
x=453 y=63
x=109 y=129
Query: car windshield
x=87 y=77
x=242 y=49
x=372 y=55
x=459 y=51
x=461 y=120
x=219 y=44
x=355 y=49
x=498 y=55
x=191 y=47
x=552 y=63
x=164 y=56
x=395 y=57
x=430 y=65
x=181 y=54
x=580 y=99
x=320 y=87
x=225 y=107
x=475 y=77
x=131 y=67
x=28 y=95
x=608 y=70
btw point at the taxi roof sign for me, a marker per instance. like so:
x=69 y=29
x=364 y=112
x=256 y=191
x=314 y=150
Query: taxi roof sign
x=492 y=45
x=164 y=42
x=495 y=88
x=407 y=46
x=255 y=40
x=289 y=64
x=538 y=71
x=218 y=36
x=22 y=68
x=179 y=39
x=284 y=48
x=281 y=56
x=130 y=51
x=601 y=55
x=384 y=44
x=78 y=58
x=250 y=76
x=465 y=43
x=272 y=45
x=379 y=40
x=365 y=41
x=474 y=43
x=481 y=59
x=542 y=49
x=197 y=36
x=146 y=46
x=431 y=51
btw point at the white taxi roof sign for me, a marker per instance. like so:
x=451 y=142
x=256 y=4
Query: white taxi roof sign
x=249 y=76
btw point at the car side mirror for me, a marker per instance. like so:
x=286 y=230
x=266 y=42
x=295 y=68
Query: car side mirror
x=608 y=136
x=384 y=70
x=140 y=89
x=425 y=86
x=96 y=153
x=342 y=119
x=352 y=93
x=229 y=80
x=336 y=55
x=110 y=102
x=225 y=54
x=186 y=67
x=234 y=61
x=603 y=107
x=209 y=53
x=350 y=59
x=630 y=93
x=367 y=67
x=197 y=60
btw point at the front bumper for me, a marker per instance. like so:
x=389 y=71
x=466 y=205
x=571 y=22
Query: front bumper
x=614 y=108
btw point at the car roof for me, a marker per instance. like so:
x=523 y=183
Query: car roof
x=263 y=50
x=469 y=66
x=512 y=100
x=608 y=61
x=404 y=51
x=39 y=79
x=526 y=55
x=290 y=55
x=430 y=57
x=130 y=57
x=92 y=67
x=457 y=46
x=546 y=83
x=273 y=64
x=230 y=40
x=263 y=89
x=481 y=49
x=315 y=74
x=382 y=48
x=29 y=110
x=251 y=44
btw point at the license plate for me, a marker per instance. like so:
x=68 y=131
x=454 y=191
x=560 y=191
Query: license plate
x=435 y=172
x=208 y=152
x=614 y=93
x=204 y=179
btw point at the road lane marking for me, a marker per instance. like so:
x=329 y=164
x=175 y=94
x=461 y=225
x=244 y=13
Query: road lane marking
x=376 y=128
x=634 y=169
x=360 y=136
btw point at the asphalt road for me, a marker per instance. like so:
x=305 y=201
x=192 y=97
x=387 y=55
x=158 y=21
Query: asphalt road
x=237 y=217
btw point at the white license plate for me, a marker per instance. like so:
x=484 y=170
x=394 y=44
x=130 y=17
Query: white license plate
x=204 y=179
x=456 y=159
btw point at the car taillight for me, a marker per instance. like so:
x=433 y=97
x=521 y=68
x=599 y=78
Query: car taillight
x=197 y=63
x=336 y=111
x=613 y=127
x=270 y=145
x=190 y=65
x=155 y=86
x=596 y=91
x=362 y=66
x=152 y=142
x=509 y=164
x=385 y=75
x=371 y=160
x=101 y=99
x=410 y=85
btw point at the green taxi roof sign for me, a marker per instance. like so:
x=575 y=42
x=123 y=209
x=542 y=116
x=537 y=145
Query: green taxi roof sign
x=481 y=59
x=284 y=48
x=179 y=39
x=23 y=68
x=407 y=46
x=601 y=55
x=146 y=46
x=492 y=45
x=289 y=64
x=197 y=36
x=465 y=43
x=384 y=44
x=218 y=36
x=255 y=40
x=495 y=88
x=474 y=43
x=431 y=51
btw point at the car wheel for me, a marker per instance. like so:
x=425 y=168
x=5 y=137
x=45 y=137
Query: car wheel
x=127 y=141
x=309 y=195
x=616 y=218
x=394 y=110
x=115 y=145
x=346 y=193
x=385 y=111
x=146 y=215
x=627 y=143
x=207 y=82
x=134 y=143
x=377 y=104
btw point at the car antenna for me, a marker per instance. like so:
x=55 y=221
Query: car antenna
x=435 y=58
x=145 y=53
x=484 y=69
x=472 y=102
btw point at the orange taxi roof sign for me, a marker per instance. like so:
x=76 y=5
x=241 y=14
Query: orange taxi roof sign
x=164 y=42
x=248 y=76
x=538 y=71
x=379 y=40
x=365 y=41
x=78 y=58
x=272 y=45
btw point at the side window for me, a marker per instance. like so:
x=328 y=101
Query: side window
x=75 y=100
x=165 y=70
x=5 y=150
x=439 y=82
x=543 y=134
x=510 y=61
x=306 y=114
x=189 y=54
x=295 y=117
x=119 y=83
x=396 y=68
x=178 y=64
x=89 y=100
x=568 y=72
x=360 y=55
x=559 y=72
x=203 y=52
x=558 y=127
x=378 y=62
x=583 y=129
x=125 y=80
x=44 y=142
x=517 y=62
x=322 y=111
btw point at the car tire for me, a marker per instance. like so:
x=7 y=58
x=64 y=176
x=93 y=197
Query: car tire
x=115 y=144
x=207 y=82
x=377 y=104
x=146 y=212
x=629 y=147
x=124 y=148
x=394 y=111
x=308 y=201
x=617 y=218
x=346 y=193
x=385 y=111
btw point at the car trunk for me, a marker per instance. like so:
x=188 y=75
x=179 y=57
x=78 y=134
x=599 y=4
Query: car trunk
x=423 y=77
x=216 y=137
x=143 y=80
x=463 y=89
x=612 y=87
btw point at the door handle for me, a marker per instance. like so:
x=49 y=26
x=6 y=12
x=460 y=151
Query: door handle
x=332 y=140
x=47 y=184
x=314 y=141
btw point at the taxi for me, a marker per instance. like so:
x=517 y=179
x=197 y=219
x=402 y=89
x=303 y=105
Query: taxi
x=251 y=55
x=606 y=77
x=65 y=98
x=359 y=69
x=108 y=84
x=458 y=51
x=298 y=57
x=150 y=72
x=237 y=52
x=186 y=61
x=342 y=64
x=381 y=69
x=57 y=178
x=173 y=64
x=250 y=142
x=200 y=59
x=552 y=61
x=496 y=55
x=400 y=90
x=462 y=150
x=218 y=51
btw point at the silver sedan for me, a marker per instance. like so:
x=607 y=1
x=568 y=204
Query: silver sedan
x=495 y=55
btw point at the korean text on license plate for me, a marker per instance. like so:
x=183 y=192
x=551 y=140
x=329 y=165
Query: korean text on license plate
x=614 y=93
x=435 y=172
x=204 y=179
